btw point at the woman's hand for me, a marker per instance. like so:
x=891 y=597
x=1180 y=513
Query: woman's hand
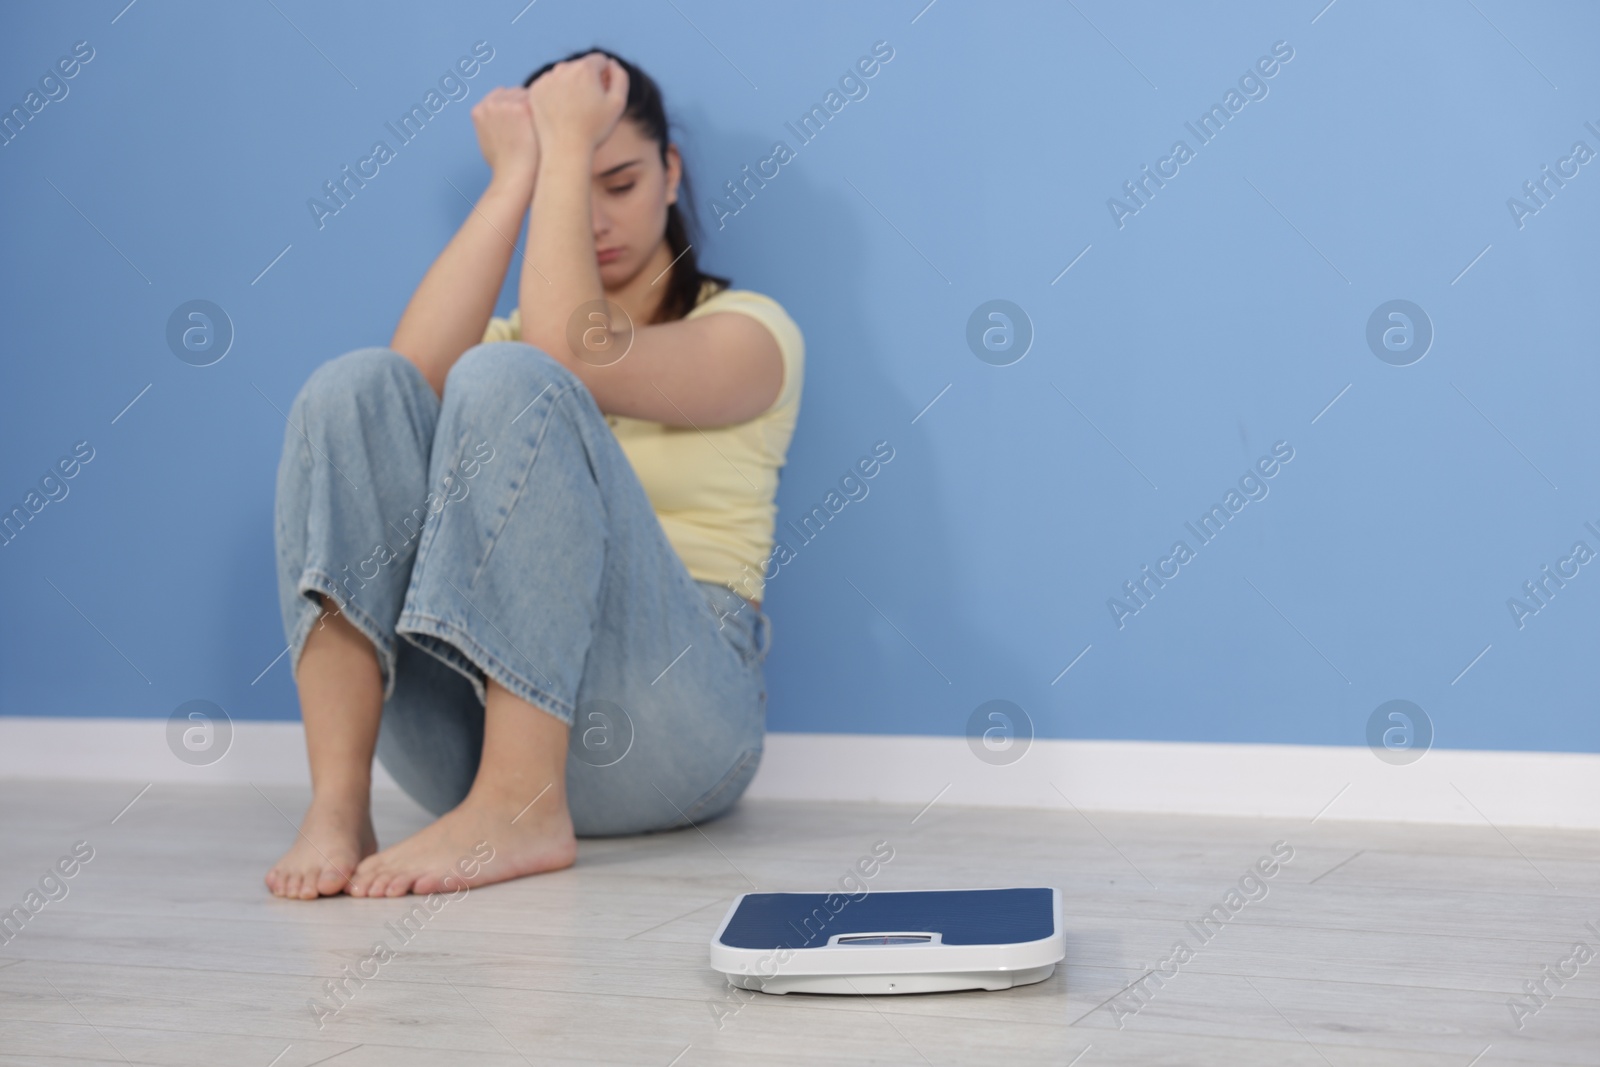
x=579 y=102
x=506 y=134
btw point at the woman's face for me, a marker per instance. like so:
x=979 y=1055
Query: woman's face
x=632 y=189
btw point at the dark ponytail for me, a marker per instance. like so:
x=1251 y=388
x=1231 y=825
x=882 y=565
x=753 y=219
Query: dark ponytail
x=648 y=111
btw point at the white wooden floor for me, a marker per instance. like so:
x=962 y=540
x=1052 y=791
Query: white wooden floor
x=1376 y=945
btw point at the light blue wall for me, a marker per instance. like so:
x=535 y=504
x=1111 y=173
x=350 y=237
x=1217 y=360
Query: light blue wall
x=1218 y=320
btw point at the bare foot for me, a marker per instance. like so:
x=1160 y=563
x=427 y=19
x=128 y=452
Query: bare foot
x=334 y=837
x=476 y=843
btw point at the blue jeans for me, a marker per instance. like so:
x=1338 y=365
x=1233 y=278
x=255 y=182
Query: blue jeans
x=501 y=533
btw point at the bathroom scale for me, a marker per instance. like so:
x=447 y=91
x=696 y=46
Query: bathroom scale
x=924 y=941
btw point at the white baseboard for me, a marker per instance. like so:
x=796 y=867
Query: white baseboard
x=1555 y=789
x=135 y=750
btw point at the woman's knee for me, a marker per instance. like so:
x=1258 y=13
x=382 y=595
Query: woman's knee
x=334 y=387
x=508 y=372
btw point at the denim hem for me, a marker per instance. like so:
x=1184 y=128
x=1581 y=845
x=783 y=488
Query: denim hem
x=313 y=580
x=458 y=649
x=446 y=653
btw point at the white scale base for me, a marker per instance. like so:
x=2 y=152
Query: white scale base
x=881 y=984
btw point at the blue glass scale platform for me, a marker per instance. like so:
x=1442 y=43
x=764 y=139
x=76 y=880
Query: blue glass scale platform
x=927 y=941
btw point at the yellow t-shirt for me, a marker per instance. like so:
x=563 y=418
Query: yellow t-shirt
x=714 y=490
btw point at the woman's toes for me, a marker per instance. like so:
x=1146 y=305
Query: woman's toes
x=361 y=882
x=332 y=840
x=330 y=881
x=365 y=874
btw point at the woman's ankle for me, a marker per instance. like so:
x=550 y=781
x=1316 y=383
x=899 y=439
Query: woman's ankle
x=348 y=795
x=521 y=803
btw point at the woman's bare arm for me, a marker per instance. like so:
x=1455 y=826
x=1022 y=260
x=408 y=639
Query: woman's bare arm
x=710 y=371
x=451 y=307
